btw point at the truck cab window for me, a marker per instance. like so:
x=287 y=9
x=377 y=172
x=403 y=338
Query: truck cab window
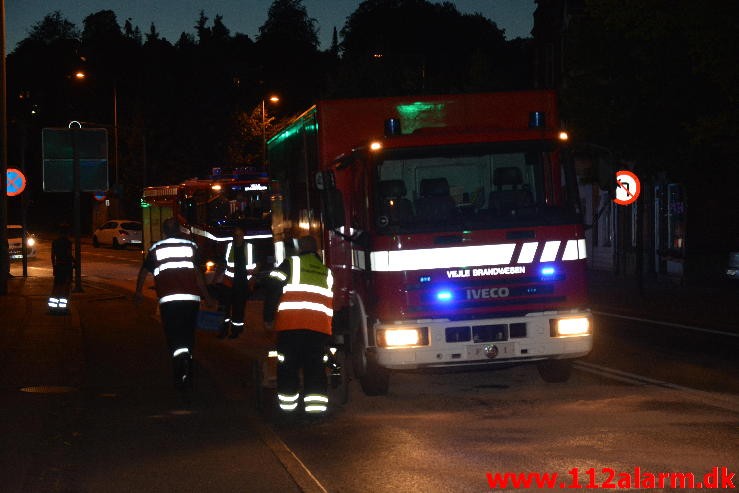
x=474 y=188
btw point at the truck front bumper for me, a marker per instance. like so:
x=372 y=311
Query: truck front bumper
x=482 y=342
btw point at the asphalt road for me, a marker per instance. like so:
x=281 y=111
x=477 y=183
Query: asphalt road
x=649 y=397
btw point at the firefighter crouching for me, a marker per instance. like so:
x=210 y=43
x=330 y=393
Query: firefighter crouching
x=299 y=299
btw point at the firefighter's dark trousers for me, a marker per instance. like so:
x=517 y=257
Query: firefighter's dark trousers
x=59 y=299
x=179 y=319
x=302 y=349
x=234 y=302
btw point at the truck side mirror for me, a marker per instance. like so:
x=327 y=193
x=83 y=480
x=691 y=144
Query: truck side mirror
x=333 y=208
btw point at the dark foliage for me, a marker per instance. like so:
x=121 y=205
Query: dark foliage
x=186 y=105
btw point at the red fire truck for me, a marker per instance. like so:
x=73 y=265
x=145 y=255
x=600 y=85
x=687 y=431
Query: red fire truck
x=209 y=208
x=452 y=227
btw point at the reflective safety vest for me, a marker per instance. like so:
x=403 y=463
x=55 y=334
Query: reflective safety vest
x=231 y=262
x=174 y=270
x=307 y=299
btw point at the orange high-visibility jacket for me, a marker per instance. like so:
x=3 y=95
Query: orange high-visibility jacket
x=307 y=297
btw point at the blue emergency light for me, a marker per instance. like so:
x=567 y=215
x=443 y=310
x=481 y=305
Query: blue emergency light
x=445 y=295
x=547 y=271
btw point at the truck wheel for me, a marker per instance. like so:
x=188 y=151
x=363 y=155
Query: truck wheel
x=376 y=380
x=555 y=370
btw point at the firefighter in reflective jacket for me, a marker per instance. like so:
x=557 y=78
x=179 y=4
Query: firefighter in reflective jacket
x=179 y=284
x=239 y=264
x=299 y=299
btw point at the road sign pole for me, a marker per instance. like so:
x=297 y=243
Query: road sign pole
x=76 y=212
x=4 y=254
x=24 y=197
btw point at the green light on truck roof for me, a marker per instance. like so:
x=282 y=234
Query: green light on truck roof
x=292 y=130
x=421 y=114
x=306 y=123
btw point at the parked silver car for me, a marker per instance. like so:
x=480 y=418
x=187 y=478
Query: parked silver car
x=118 y=233
x=15 y=243
x=732 y=268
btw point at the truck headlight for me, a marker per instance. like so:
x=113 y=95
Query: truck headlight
x=576 y=326
x=30 y=242
x=403 y=337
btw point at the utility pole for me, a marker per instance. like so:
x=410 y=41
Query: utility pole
x=76 y=207
x=4 y=255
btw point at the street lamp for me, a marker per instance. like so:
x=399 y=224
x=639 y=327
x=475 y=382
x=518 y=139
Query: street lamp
x=272 y=99
x=80 y=75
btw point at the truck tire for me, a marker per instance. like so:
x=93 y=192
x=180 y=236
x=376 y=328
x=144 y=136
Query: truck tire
x=376 y=380
x=373 y=378
x=555 y=370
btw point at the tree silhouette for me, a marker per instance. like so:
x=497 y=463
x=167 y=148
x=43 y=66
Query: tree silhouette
x=656 y=84
x=186 y=106
x=51 y=29
x=441 y=50
x=287 y=47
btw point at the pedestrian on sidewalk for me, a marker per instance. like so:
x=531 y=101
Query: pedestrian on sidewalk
x=62 y=262
x=299 y=307
x=179 y=285
x=239 y=262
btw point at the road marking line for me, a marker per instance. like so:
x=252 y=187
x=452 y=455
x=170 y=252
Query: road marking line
x=725 y=401
x=295 y=468
x=302 y=476
x=669 y=324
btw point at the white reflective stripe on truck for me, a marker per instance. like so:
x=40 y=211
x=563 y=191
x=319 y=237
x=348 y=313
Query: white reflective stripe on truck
x=474 y=256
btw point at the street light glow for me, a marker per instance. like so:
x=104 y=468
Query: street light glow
x=80 y=75
x=271 y=99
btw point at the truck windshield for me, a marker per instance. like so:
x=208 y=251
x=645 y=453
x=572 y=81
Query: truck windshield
x=246 y=204
x=437 y=189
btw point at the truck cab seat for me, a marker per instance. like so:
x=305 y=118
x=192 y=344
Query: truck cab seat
x=394 y=205
x=509 y=194
x=434 y=202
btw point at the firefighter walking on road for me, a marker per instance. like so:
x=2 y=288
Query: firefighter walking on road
x=239 y=264
x=299 y=300
x=179 y=285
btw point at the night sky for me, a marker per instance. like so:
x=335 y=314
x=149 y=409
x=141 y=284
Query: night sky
x=172 y=17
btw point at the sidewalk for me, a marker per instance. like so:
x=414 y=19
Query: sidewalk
x=23 y=310
x=16 y=309
x=711 y=305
